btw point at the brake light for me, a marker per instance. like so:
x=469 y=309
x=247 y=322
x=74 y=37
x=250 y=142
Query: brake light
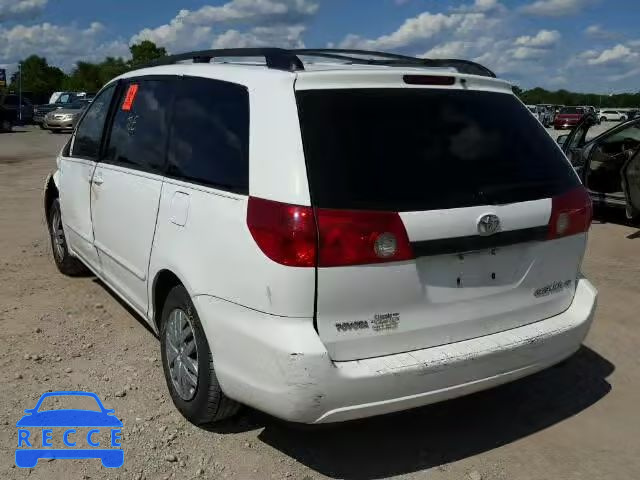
x=288 y=235
x=352 y=237
x=428 y=80
x=571 y=213
x=285 y=233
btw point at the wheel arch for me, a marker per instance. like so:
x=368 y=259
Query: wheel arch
x=51 y=192
x=164 y=280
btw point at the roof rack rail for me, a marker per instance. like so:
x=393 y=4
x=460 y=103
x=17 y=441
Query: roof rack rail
x=288 y=59
x=396 y=60
x=276 y=58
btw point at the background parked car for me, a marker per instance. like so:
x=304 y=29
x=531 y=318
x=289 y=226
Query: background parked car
x=65 y=118
x=7 y=118
x=568 y=117
x=24 y=114
x=62 y=100
x=612 y=116
x=631 y=114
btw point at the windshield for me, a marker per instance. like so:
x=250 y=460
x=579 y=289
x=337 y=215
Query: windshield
x=426 y=149
x=78 y=105
x=572 y=110
x=65 y=98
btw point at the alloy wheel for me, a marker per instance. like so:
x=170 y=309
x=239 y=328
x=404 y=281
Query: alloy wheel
x=57 y=234
x=182 y=354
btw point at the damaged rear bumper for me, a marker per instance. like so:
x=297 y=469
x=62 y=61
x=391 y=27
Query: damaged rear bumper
x=280 y=366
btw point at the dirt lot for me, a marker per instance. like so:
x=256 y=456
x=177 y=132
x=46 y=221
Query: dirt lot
x=578 y=420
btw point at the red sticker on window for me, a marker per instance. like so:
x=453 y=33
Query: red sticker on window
x=130 y=97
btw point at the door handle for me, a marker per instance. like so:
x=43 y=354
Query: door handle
x=97 y=180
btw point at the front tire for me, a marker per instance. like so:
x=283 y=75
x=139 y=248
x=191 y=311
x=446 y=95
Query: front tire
x=188 y=364
x=603 y=119
x=67 y=264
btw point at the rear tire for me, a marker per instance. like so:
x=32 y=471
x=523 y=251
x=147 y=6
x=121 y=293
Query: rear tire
x=67 y=264
x=603 y=119
x=204 y=402
x=5 y=126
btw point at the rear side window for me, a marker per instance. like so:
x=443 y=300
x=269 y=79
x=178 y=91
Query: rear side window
x=138 y=137
x=210 y=135
x=89 y=133
x=572 y=110
x=419 y=149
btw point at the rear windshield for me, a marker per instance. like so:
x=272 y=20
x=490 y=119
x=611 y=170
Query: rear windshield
x=572 y=110
x=426 y=149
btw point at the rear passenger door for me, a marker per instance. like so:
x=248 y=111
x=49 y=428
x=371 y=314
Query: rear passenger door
x=127 y=184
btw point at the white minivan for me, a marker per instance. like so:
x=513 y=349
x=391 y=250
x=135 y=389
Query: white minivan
x=350 y=235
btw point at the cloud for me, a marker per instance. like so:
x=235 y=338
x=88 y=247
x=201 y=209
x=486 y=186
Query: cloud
x=61 y=45
x=536 y=46
x=454 y=49
x=482 y=6
x=556 y=8
x=615 y=55
x=597 y=32
x=543 y=39
x=486 y=37
x=19 y=9
x=289 y=37
x=192 y=28
x=419 y=30
x=634 y=72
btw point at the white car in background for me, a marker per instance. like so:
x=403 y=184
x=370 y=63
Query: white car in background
x=612 y=116
x=306 y=241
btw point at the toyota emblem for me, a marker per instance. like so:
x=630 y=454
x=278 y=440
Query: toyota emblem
x=488 y=225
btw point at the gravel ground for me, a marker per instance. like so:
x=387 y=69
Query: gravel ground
x=578 y=420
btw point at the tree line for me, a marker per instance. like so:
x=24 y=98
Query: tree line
x=40 y=79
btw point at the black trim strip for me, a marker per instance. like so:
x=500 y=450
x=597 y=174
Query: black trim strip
x=444 y=246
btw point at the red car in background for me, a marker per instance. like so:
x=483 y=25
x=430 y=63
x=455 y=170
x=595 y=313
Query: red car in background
x=568 y=117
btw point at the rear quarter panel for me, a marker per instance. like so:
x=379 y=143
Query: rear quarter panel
x=202 y=234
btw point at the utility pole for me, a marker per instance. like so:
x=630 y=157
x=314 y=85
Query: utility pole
x=20 y=92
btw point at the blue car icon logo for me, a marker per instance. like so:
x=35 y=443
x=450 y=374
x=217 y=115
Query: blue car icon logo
x=36 y=437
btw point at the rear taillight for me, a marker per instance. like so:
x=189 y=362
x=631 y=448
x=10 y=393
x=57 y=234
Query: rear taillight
x=298 y=236
x=285 y=233
x=351 y=237
x=571 y=213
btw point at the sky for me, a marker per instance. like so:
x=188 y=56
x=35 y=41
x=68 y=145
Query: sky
x=579 y=45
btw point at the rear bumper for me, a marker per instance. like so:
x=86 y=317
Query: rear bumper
x=280 y=366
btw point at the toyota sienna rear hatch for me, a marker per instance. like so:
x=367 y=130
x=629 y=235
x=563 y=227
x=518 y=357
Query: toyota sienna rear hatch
x=443 y=214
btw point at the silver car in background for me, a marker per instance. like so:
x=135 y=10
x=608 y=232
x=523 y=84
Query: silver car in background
x=65 y=119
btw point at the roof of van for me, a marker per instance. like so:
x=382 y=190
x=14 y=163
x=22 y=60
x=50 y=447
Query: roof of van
x=325 y=68
x=320 y=75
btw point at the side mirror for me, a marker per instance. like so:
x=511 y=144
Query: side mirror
x=562 y=139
